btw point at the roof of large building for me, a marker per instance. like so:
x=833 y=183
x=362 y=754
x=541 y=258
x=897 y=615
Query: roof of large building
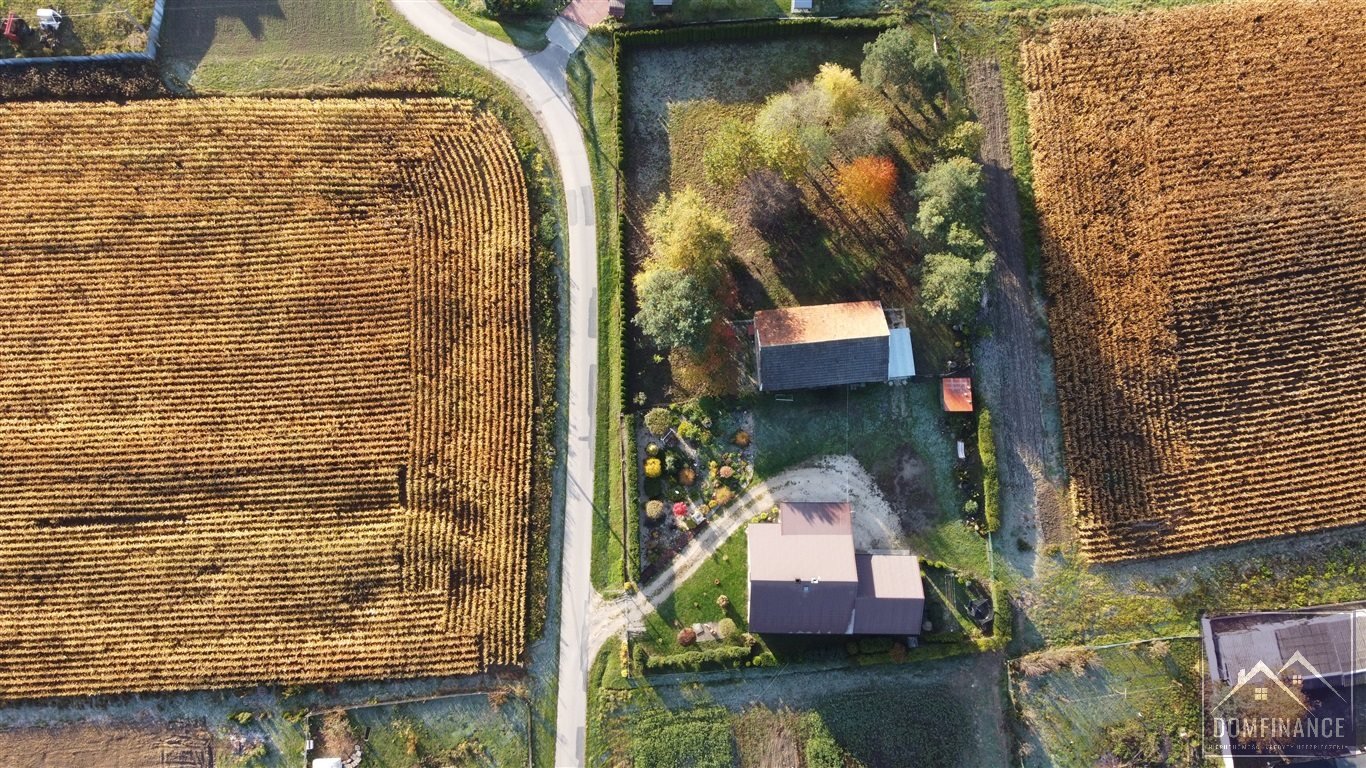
x=805 y=577
x=1332 y=640
x=813 y=557
x=822 y=322
x=804 y=518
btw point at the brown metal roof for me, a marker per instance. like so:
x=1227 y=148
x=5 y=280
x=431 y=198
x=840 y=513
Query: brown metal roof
x=809 y=558
x=822 y=322
x=891 y=597
x=805 y=518
x=956 y=394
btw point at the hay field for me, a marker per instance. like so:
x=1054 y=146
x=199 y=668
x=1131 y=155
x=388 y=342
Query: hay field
x=264 y=394
x=1203 y=207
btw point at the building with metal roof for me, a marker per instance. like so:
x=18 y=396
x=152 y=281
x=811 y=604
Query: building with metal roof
x=955 y=392
x=829 y=345
x=805 y=577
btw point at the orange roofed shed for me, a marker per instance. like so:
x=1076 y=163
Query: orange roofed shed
x=956 y=394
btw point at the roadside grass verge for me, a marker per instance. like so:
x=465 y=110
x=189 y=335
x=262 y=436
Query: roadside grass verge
x=593 y=85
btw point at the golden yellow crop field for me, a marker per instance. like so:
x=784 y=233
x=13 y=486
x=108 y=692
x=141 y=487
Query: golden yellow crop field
x=265 y=393
x=1202 y=202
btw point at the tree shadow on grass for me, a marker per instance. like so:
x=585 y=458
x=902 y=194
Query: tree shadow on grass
x=190 y=28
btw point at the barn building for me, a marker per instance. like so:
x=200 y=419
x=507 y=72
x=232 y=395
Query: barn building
x=805 y=577
x=830 y=345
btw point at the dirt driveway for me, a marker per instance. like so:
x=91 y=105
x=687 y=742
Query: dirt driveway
x=1014 y=361
x=91 y=746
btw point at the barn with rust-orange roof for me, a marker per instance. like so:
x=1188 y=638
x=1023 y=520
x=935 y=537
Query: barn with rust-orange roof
x=829 y=345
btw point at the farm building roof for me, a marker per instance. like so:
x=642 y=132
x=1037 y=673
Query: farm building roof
x=1330 y=639
x=805 y=577
x=956 y=394
x=822 y=346
x=799 y=518
x=891 y=597
x=822 y=322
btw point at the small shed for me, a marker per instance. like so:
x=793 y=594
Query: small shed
x=327 y=762
x=826 y=345
x=801 y=6
x=616 y=9
x=956 y=394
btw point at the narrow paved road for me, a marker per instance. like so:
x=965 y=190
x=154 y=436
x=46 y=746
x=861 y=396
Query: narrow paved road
x=540 y=81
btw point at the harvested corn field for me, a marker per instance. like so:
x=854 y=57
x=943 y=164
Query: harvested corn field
x=265 y=393
x=1202 y=201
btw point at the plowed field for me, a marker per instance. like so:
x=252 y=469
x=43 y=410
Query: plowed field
x=1202 y=198
x=264 y=393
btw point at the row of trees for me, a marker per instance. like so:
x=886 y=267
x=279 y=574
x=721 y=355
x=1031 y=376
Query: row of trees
x=833 y=128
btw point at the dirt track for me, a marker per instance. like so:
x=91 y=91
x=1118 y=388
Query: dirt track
x=1013 y=361
x=92 y=746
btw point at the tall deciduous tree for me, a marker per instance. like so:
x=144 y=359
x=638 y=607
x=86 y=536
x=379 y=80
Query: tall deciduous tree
x=867 y=182
x=951 y=286
x=900 y=66
x=949 y=192
x=731 y=153
x=675 y=308
x=686 y=234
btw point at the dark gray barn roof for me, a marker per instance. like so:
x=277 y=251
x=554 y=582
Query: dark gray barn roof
x=821 y=346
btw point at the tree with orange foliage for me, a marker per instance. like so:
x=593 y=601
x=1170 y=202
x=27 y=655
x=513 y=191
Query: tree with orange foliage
x=867 y=182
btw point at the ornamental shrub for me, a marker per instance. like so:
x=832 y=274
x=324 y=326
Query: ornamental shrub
x=658 y=420
x=653 y=468
x=654 y=511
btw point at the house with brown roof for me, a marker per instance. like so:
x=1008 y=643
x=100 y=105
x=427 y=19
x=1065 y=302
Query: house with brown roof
x=805 y=577
x=829 y=345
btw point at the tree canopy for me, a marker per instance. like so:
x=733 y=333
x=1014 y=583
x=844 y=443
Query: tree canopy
x=731 y=153
x=675 y=308
x=899 y=65
x=949 y=192
x=686 y=234
x=867 y=182
x=951 y=286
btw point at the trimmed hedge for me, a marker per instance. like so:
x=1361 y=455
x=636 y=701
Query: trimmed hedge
x=664 y=33
x=991 y=482
x=693 y=660
x=631 y=531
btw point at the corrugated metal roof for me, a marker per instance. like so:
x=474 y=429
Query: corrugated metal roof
x=901 y=359
x=802 y=518
x=821 y=322
x=822 y=364
x=812 y=557
x=896 y=576
x=956 y=394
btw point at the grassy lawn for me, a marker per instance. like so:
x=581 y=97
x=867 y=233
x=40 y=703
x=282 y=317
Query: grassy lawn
x=526 y=32
x=93 y=26
x=642 y=11
x=468 y=730
x=943 y=713
x=245 y=45
x=1128 y=703
x=694 y=601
